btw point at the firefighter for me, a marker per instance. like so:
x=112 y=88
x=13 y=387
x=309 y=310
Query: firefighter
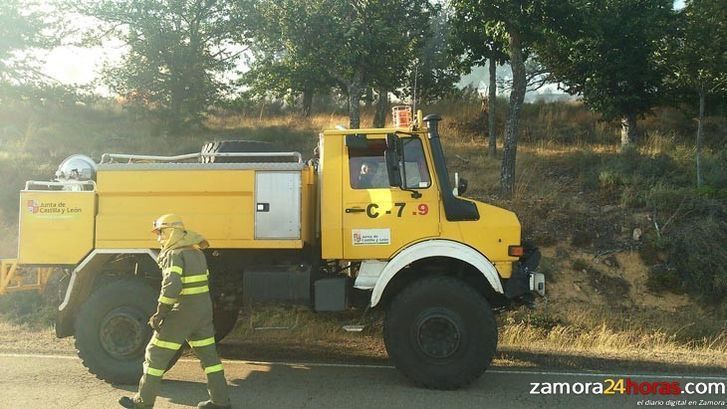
x=184 y=313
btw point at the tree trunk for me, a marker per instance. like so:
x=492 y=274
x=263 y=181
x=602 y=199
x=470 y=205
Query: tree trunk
x=354 y=104
x=307 y=102
x=699 y=137
x=491 y=100
x=382 y=106
x=628 y=130
x=368 y=97
x=517 y=96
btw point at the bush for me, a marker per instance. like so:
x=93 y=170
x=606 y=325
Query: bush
x=663 y=278
x=692 y=227
x=692 y=236
x=609 y=180
x=26 y=308
x=696 y=248
x=715 y=171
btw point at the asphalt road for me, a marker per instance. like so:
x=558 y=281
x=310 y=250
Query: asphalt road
x=58 y=381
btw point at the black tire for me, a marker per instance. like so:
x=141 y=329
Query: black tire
x=112 y=331
x=440 y=333
x=238 y=146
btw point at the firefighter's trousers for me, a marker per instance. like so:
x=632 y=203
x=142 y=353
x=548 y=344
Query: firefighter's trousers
x=190 y=321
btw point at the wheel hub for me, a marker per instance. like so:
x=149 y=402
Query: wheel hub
x=438 y=336
x=123 y=333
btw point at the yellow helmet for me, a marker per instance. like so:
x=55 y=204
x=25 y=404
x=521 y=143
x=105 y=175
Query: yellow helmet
x=167 y=221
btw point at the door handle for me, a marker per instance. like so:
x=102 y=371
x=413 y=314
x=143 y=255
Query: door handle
x=355 y=210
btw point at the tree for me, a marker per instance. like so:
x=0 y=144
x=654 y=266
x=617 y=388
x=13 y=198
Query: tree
x=281 y=76
x=283 y=68
x=21 y=29
x=357 y=43
x=522 y=23
x=435 y=72
x=179 y=51
x=478 y=40
x=431 y=74
x=607 y=53
x=697 y=61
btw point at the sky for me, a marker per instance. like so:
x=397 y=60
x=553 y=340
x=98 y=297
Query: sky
x=77 y=65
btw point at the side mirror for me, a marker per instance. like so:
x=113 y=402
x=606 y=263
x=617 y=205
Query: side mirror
x=460 y=183
x=392 y=156
x=462 y=186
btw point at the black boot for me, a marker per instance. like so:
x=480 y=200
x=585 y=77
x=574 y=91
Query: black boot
x=208 y=404
x=131 y=403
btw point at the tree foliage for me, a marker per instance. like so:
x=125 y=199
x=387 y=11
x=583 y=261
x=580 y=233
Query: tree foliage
x=476 y=35
x=283 y=60
x=477 y=40
x=178 y=52
x=695 y=56
x=357 y=44
x=609 y=54
x=434 y=71
x=22 y=29
x=697 y=68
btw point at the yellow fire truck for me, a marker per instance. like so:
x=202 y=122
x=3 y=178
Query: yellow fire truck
x=373 y=211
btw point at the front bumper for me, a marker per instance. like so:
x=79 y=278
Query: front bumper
x=525 y=280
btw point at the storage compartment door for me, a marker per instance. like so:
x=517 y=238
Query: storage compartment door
x=277 y=205
x=55 y=227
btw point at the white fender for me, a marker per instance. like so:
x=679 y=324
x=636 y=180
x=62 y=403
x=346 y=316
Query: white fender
x=435 y=248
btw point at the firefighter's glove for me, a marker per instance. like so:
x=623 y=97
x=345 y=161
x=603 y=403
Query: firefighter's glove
x=156 y=320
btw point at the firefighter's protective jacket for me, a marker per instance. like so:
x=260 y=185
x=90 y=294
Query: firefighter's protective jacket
x=184 y=268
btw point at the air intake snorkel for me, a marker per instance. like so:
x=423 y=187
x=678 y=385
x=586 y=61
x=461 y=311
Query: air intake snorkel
x=455 y=209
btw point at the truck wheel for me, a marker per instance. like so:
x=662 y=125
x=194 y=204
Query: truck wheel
x=236 y=146
x=440 y=333
x=112 y=331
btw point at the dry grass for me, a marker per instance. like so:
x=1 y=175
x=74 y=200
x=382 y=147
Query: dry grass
x=602 y=340
x=24 y=338
x=315 y=122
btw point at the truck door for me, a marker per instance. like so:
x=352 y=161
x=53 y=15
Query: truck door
x=379 y=220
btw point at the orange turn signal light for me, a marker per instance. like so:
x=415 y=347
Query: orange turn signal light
x=515 y=251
